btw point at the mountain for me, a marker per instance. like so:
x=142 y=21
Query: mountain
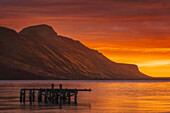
x=38 y=52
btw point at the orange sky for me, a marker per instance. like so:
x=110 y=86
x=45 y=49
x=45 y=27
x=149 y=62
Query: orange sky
x=128 y=31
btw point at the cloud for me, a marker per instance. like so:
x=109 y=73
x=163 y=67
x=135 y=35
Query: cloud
x=132 y=31
x=92 y=8
x=155 y=63
x=135 y=50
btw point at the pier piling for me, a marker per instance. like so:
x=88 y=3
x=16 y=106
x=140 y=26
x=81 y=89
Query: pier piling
x=30 y=96
x=39 y=96
x=46 y=96
x=75 y=97
x=69 y=98
x=24 y=95
x=55 y=96
x=21 y=95
x=33 y=95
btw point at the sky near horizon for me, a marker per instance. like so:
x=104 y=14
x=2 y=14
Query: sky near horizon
x=125 y=31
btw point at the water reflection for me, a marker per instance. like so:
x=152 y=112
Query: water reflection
x=110 y=96
x=44 y=106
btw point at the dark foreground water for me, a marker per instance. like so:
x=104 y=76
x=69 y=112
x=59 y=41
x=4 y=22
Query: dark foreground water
x=105 y=97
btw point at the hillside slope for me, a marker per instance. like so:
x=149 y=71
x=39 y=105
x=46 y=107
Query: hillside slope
x=37 y=52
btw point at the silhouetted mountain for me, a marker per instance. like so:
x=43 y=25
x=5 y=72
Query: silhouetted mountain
x=37 y=52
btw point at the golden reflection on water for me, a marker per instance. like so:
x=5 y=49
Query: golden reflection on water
x=106 y=97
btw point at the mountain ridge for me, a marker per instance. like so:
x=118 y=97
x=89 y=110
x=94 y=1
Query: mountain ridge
x=39 y=51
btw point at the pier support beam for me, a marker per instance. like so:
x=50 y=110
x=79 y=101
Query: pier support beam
x=60 y=94
x=30 y=95
x=39 y=96
x=75 y=97
x=24 y=95
x=52 y=86
x=52 y=94
x=56 y=98
x=33 y=95
x=46 y=96
x=21 y=95
x=69 y=98
x=64 y=98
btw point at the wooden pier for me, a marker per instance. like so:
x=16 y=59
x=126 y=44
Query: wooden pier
x=51 y=95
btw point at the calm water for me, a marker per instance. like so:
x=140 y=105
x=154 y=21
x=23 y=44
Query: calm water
x=105 y=97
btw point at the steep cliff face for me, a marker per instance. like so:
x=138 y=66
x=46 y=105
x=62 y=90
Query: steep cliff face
x=37 y=52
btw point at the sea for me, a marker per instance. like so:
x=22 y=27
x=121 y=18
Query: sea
x=107 y=96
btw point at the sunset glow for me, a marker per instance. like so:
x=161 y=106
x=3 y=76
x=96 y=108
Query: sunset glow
x=125 y=31
x=152 y=61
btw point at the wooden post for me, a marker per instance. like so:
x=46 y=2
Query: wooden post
x=75 y=97
x=30 y=96
x=52 y=86
x=21 y=95
x=53 y=97
x=69 y=97
x=60 y=94
x=45 y=96
x=64 y=98
x=24 y=96
x=39 y=96
x=60 y=86
x=56 y=98
x=52 y=94
x=50 y=97
x=33 y=95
